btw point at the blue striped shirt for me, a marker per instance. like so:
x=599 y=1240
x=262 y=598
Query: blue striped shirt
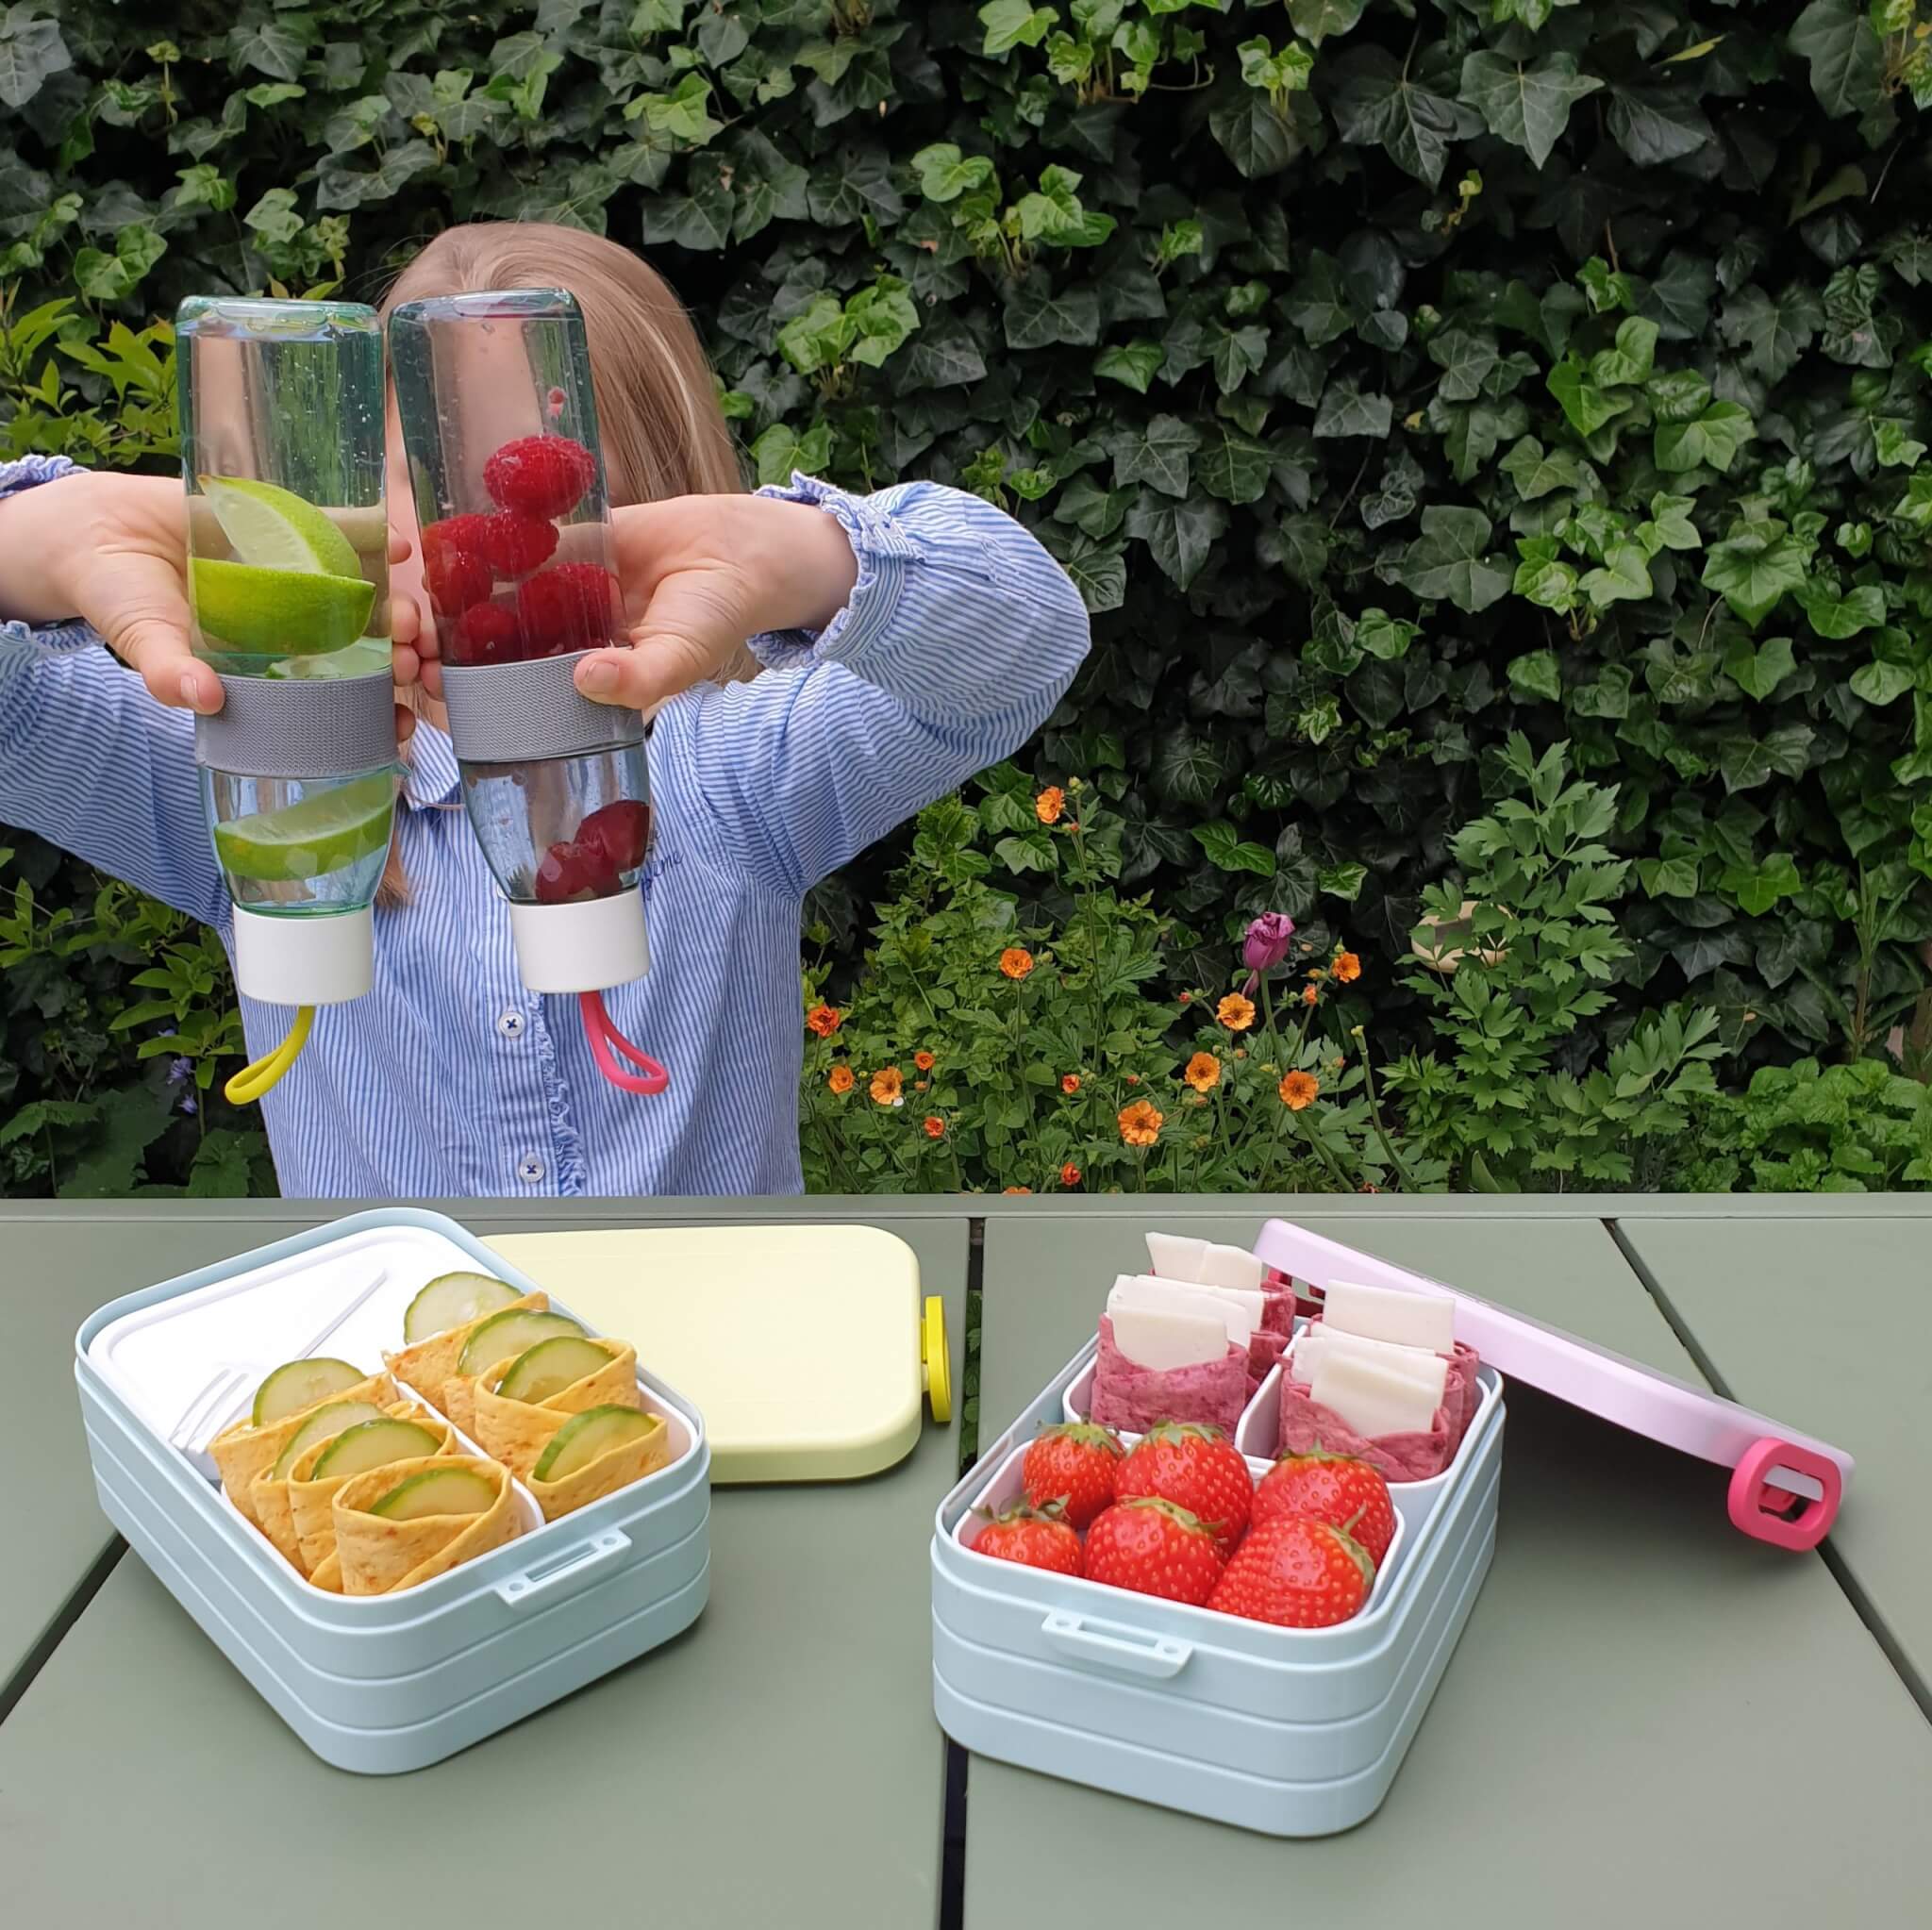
x=449 y=1078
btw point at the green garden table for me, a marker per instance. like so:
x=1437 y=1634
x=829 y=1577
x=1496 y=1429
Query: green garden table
x=1649 y=1719
x=720 y=1781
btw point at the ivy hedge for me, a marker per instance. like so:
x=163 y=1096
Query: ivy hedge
x=1390 y=376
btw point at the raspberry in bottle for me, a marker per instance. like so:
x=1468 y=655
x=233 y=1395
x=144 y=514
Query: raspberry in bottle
x=500 y=425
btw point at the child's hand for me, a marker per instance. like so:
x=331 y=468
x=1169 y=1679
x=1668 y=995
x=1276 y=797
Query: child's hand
x=703 y=573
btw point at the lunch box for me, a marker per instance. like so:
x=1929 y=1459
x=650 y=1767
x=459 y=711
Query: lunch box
x=385 y=1683
x=1296 y=1732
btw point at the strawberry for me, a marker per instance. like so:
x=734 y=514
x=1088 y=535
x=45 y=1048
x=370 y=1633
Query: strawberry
x=1196 y=1467
x=1034 y=1536
x=1296 y=1574
x=621 y=831
x=540 y=475
x=1154 y=1548
x=455 y=569
x=1072 y=1462
x=514 y=545
x=571 y=873
x=1336 y=1488
x=568 y=607
x=485 y=633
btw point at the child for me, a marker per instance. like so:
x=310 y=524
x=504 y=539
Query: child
x=910 y=638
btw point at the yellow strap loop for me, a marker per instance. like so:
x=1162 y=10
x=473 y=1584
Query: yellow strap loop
x=252 y=1081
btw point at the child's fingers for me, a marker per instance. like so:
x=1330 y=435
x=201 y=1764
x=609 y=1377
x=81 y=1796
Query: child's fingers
x=694 y=623
x=405 y=724
x=136 y=605
x=399 y=547
x=404 y=620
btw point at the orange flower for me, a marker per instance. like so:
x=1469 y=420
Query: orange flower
x=1348 y=968
x=1311 y=995
x=888 y=1085
x=1236 y=1013
x=1133 y=1078
x=1070 y=1175
x=1203 y=1073
x=1016 y=962
x=839 y=1079
x=935 y=1126
x=1048 y=806
x=1187 y=998
x=1071 y=1084
x=1016 y=1188
x=1140 y=1122
x=1298 y=1091
x=920 y=1085
x=824 y=1020
x=924 y=1060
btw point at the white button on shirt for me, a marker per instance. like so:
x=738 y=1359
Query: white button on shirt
x=511 y=1025
x=530 y=1170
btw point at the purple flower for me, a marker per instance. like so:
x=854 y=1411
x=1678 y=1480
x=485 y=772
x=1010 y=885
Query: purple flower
x=1266 y=945
x=190 y=1104
x=181 y=1068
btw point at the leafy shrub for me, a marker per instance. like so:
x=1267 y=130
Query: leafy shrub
x=1843 y=1129
x=1390 y=380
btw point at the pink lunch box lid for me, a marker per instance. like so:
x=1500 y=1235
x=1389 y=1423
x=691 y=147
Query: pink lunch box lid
x=1771 y=1463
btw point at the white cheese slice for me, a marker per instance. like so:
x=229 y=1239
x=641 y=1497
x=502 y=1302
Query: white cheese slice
x=1231 y=1266
x=1164 y=1337
x=1313 y=1344
x=1239 y=1314
x=1391 y=1313
x=1373 y=1398
x=1174 y=1256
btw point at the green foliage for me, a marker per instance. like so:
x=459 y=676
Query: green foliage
x=1843 y=1129
x=1390 y=380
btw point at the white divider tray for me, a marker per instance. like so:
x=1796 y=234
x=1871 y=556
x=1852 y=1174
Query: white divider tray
x=383 y=1683
x=1291 y=1731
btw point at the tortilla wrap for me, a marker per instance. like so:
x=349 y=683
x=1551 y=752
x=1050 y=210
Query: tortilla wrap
x=311 y=1502
x=378 y=1556
x=242 y=1451
x=429 y=1364
x=515 y=1433
x=629 y=1461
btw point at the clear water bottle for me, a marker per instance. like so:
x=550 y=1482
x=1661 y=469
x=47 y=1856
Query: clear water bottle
x=282 y=457
x=506 y=470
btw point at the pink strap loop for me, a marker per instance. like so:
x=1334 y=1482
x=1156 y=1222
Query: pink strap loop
x=603 y=1034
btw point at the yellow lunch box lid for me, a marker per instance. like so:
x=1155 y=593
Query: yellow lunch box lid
x=810 y=1350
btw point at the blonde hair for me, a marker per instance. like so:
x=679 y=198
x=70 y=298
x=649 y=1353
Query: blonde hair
x=663 y=433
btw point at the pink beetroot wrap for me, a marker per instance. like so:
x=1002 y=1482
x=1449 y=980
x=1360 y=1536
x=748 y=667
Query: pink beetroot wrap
x=1267 y=1344
x=1396 y=1457
x=1132 y=1398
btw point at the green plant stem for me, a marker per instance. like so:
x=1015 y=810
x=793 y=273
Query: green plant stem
x=1376 y=1114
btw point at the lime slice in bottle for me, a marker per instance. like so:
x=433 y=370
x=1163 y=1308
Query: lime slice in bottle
x=267 y=612
x=312 y=837
x=276 y=529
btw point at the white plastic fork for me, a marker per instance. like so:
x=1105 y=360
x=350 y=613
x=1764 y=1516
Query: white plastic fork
x=216 y=1405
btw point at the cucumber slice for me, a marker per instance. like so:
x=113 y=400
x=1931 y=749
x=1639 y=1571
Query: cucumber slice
x=437 y=1491
x=550 y=1367
x=453 y=1300
x=324 y=1425
x=584 y=1436
x=300 y=1384
x=507 y=1335
x=373 y=1444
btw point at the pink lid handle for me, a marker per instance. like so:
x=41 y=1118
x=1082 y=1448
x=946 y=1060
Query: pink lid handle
x=603 y=1034
x=1757 y=1505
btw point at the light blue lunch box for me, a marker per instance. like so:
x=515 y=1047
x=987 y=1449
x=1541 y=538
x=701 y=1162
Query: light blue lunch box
x=1289 y=1732
x=375 y=1684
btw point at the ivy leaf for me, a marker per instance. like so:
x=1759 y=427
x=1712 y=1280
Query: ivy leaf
x=1377 y=103
x=275 y=47
x=1753 y=570
x=1099 y=573
x=1773 y=334
x=1586 y=407
x=1011 y=23
x=1344 y=881
x=1178 y=535
x=1623 y=576
x=1038 y=314
x=1711 y=442
x=1155 y=452
x=1135 y=363
x=1319 y=20
x=1847 y=60
x=1347 y=411
x=1893 y=447
x=1836 y=617
x=1227 y=851
x=31 y=51
x=1656 y=123
x=1537 y=472
x=1679 y=395
x=945 y=173
x=1385 y=637
x=1758 y=887
x=1535 y=674
x=699 y=219
x=1447 y=562
x=1253 y=134
x=1187 y=767
x=1746 y=762
x=1526 y=106
x=1466 y=360
x=1881 y=683
x=1668 y=878
x=1759 y=671
x=1232 y=464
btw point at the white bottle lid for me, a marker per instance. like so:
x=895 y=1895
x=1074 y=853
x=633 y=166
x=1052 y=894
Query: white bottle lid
x=319 y=958
x=586 y=947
